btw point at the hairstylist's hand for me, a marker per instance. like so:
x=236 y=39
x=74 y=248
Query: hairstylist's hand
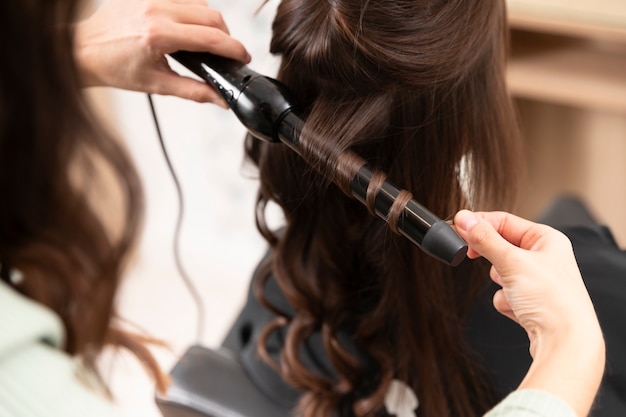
x=543 y=291
x=124 y=43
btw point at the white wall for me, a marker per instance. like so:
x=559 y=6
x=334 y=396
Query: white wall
x=220 y=245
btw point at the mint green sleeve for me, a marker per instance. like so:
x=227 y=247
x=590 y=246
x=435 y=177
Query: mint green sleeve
x=40 y=380
x=531 y=403
x=37 y=378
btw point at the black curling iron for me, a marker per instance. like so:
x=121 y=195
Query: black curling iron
x=265 y=108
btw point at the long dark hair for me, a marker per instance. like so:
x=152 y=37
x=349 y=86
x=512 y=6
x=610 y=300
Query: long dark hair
x=416 y=88
x=54 y=158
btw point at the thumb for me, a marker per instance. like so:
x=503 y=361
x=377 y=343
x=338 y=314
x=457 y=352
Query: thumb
x=481 y=236
x=169 y=83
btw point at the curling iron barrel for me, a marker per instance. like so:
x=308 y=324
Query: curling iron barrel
x=265 y=108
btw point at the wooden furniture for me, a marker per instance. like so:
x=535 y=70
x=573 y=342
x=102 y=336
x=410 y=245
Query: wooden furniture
x=567 y=73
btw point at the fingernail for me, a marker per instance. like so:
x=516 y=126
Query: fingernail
x=465 y=220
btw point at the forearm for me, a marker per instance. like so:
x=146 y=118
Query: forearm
x=83 y=59
x=569 y=368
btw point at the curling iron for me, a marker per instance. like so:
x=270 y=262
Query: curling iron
x=264 y=106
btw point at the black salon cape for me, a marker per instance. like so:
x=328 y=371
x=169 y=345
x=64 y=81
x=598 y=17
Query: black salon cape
x=501 y=343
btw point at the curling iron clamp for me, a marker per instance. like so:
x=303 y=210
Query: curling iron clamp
x=264 y=107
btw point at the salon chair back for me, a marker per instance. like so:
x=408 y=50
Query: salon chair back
x=213 y=383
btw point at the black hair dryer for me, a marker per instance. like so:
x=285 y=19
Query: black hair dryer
x=265 y=108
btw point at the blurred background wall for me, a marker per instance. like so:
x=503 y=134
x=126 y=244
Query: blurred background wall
x=567 y=73
x=220 y=246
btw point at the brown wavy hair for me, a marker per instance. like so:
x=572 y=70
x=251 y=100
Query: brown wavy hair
x=417 y=89
x=53 y=158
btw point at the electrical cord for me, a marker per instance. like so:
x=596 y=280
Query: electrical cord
x=193 y=291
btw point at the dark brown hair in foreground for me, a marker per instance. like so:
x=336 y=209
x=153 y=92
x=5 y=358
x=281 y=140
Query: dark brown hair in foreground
x=52 y=157
x=417 y=89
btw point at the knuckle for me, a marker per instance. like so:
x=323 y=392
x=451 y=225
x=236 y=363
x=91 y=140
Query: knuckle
x=561 y=238
x=215 y=37
x=197 y=96
x=157 y=87
x=152 y=35
x=511 y=256
x=480 y=236
x=150 y=8
x=217 y=18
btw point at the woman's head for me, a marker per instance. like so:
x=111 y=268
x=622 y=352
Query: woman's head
x=53 y=156
x=427 y=62
x=417 y=89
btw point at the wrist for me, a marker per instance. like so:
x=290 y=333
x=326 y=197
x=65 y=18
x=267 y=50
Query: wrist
x=82 y=59
x=568 y=363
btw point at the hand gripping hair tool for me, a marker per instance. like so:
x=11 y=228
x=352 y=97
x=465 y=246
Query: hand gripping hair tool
x=263 y=105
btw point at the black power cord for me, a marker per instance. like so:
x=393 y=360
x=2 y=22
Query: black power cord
x=193 y=291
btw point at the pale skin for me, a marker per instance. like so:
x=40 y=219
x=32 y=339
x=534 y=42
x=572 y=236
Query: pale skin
x=124 y=44
x=543 y=291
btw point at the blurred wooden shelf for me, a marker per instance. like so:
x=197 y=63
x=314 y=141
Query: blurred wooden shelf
x=570 y=52
x=598 y=19
x=567 y=72
x=573 y=72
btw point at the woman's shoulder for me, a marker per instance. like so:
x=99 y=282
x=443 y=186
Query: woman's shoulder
x=23 y=322
x=37 y=378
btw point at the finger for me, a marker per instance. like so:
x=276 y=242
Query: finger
x=471 y=253
x=495 y=276
x=518 y=231
x=197 y=38
x=195 y=14
x=202 y=2
x=172 y=84
x=482 y=237
x=503 y=307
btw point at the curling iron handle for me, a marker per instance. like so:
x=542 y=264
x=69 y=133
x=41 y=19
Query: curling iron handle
x=259 y=102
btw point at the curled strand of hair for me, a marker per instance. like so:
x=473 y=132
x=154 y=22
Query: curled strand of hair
x=342 y=170
x=397 y=209
x=292 y=368
x=341 y=360
x=370 y=404
x=258 y=285
x=373 y=188
x=347 y=166
x=272 y=326
x=137 y=344
x=261 y=224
